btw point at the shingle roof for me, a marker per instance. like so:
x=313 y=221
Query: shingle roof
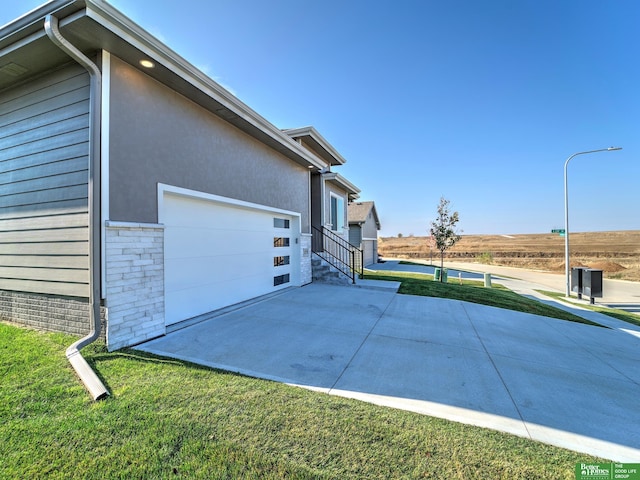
x=358 y=212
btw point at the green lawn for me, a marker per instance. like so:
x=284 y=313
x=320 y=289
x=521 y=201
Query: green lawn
x=170 y=419
x=612 y=312
x=473 y=291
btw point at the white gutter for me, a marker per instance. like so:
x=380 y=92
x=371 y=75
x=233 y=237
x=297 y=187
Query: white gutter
x=85 y=372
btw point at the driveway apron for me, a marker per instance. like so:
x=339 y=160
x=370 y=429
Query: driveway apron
x=566 y=384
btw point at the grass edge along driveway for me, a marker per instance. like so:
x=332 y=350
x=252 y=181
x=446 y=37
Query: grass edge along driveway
x=612 y=312
x=475 y=292
x=171 y=419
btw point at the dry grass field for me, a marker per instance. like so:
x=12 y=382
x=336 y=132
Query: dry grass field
x=616 y=253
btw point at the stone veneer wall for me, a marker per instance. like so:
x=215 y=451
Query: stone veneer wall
x=134 y=283
x=306 y=274
x=48 y=312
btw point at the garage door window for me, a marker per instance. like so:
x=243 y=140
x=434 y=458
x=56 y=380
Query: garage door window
x=280 y=223
x=281 y=279
x=282 y=260
x=281 y=241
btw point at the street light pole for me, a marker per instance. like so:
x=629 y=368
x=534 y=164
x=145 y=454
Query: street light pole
x=566 y=215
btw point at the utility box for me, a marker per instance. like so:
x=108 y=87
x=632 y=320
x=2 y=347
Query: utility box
x=592 y=283
x=577 y=280
x=440 y=272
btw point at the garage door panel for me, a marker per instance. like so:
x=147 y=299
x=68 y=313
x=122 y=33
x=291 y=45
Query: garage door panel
x=194 y=301
x=186 y=212
x=207 y=242
x=190 y=272
x=237 y=287
x=368 y=252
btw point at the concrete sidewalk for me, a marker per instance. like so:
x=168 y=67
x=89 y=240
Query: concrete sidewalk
x=417 y=267
x=562 y=383
x=619 y=294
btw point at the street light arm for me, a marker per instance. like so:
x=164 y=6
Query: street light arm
x=610 y=149
x=566 y=213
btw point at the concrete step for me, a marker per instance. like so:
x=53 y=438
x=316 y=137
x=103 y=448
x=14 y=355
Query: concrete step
x=322 y=272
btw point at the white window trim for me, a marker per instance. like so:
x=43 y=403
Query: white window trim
x=344 y=212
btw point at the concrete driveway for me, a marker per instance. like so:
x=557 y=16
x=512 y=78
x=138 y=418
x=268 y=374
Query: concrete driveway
x=557 y=382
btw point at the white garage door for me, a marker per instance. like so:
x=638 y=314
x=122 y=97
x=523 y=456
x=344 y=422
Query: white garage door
x=368 y=252
x=218 y=254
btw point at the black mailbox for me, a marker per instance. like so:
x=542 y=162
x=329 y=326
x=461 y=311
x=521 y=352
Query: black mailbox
x=592 y=283
x=576 y=280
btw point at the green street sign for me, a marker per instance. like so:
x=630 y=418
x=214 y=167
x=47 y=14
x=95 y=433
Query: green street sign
x=561 y=231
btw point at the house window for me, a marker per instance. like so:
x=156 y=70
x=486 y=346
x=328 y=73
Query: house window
x=281 y=223
x=279 y=261
x=280 y=279
x=281 y=241
x=337 y=213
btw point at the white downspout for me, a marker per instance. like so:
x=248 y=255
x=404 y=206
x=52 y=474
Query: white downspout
x=85 y=372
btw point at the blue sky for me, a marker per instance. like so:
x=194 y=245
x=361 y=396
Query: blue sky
x=479 y=102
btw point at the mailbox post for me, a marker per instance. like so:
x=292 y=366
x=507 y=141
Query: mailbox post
x=576 y=280
x=592 y=284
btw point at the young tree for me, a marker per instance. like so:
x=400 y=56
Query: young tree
x=431 y=243
x=443 y=229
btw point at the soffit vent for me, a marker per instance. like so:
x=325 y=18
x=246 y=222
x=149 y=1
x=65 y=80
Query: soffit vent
x=13 y=69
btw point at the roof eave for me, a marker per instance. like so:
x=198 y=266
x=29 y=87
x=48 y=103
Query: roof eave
x=114 y=28
x=29 y=23
x=139 y=38
x=352 y=191
x=329 y=151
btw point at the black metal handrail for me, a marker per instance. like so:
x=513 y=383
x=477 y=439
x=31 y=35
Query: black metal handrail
x=343 y=256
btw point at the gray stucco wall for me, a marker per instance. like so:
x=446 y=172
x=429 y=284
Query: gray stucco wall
x=158 y=135
x=369 y=229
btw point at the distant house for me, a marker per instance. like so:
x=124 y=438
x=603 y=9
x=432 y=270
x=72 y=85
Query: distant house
x=363 y=229
x=134 y=183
